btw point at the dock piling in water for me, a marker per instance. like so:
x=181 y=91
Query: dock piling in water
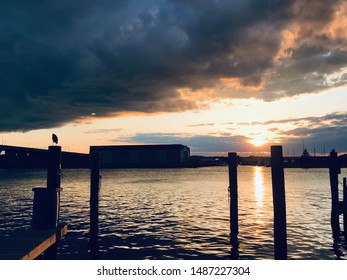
x=334 y=171
x=54 y=167
x=279 y=203
x=46 y=204
x=233 y=201
x=95 y=181
x=345 y=210
x=47 y=200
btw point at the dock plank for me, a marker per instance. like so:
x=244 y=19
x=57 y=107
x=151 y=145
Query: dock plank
x=29 y=244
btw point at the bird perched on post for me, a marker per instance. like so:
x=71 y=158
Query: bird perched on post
x=55 y=138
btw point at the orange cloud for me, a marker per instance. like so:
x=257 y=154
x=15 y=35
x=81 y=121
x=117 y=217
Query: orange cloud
x=236 y=83
x=289 y=37
x=336 y=29
x=310 y=30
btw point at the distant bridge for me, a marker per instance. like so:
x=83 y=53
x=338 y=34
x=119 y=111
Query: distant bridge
x=24 y=157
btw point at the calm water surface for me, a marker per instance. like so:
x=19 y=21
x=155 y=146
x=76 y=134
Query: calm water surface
x=179 y=213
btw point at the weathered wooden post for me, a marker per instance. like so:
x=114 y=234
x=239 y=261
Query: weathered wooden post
x=344 y=211
x=95 y=179
x=47 y=200
x=233 y=199
x=334 y=171
x=53 y=183
x=279 y=203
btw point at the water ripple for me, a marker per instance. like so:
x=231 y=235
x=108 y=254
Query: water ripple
x=179 y=213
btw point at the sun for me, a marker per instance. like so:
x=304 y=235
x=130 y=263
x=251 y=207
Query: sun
x=259 y=141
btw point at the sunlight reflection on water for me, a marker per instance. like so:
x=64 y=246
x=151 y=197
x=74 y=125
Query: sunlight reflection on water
x=179 y=213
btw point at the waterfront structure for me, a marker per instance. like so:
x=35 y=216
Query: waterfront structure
x=143 y=156
x=24 y=157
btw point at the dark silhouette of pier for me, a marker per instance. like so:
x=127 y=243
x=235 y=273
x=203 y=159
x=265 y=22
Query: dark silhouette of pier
x=41 y=241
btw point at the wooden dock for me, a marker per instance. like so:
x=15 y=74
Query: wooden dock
x=30 y=244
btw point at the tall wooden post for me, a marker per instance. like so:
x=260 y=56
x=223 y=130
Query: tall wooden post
x=233 y=198
x=95 y=179
x=53 y=182
x=345 y=210
x=47 y=200
x=279 y=203
x=334 y=171
x=54 y=167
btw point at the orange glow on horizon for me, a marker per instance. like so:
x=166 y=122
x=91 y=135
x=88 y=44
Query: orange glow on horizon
x=259 y=141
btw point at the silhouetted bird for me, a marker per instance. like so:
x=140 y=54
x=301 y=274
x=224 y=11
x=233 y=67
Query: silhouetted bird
x=55 y=138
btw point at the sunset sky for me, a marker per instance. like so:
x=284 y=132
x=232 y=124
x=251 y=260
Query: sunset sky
x=218 y=76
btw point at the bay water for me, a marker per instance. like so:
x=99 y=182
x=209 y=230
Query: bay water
x=179 y=213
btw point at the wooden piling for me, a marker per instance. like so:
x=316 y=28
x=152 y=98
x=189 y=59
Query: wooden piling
x=47 y=200
x=54 y=167
x=334 y=171
x=344 y=211
x=95 y=180
x=233 y=199
x=53 y=182
x=279 y=203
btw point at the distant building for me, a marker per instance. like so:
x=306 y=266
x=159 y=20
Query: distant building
x=143 y=156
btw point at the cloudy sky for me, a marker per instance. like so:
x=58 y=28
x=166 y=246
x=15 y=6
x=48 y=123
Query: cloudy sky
x=218 y=76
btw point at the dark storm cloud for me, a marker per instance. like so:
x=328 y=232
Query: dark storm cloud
x=64 y=61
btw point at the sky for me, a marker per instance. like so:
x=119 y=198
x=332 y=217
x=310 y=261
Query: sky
x=218 y=76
